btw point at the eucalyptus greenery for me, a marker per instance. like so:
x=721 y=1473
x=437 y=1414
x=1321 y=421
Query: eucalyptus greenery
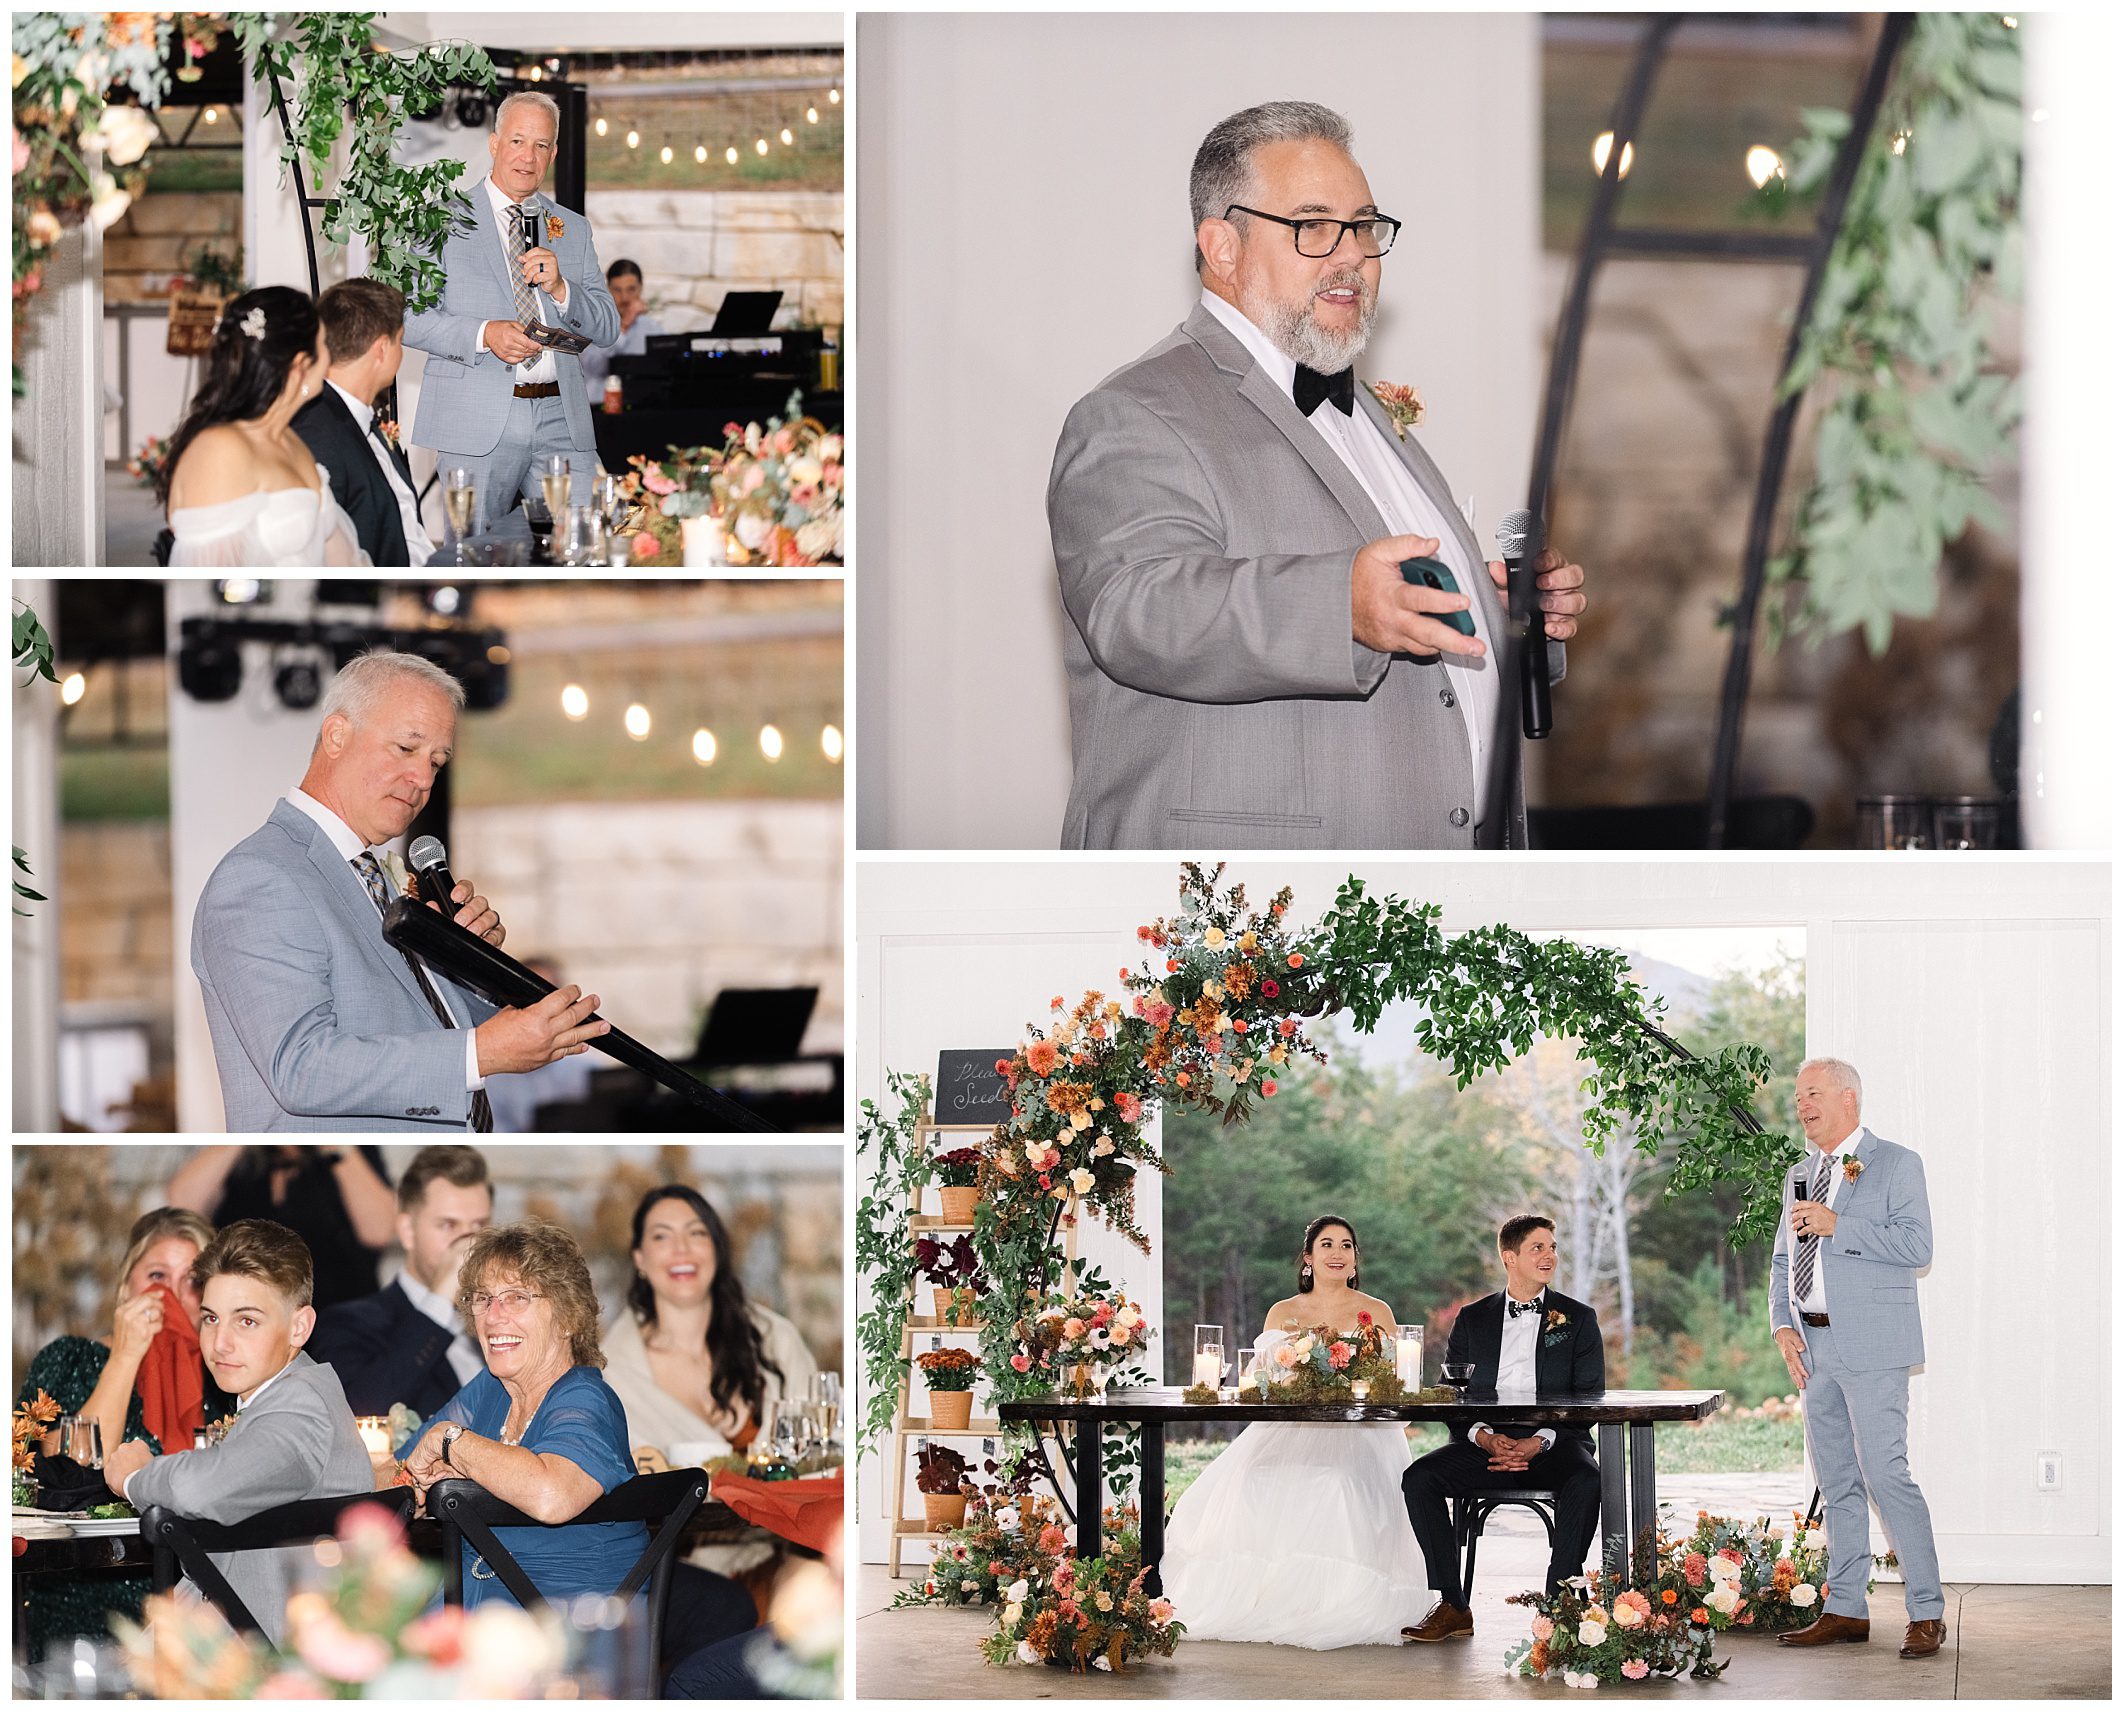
x=33 y=653
x=1917 y=412
x=345 y=85
x=1485 y=996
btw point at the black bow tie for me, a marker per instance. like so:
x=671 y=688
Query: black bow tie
x=1518 y=1308
x=1309 y=387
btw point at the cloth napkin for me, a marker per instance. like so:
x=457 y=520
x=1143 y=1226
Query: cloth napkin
x=172 y=1380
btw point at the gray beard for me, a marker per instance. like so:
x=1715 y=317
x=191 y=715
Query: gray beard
x=1293 y=331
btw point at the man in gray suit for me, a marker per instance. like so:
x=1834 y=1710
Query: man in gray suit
x=493 y=400
x=294 y=1436
x=1843 y=1303
x=319 y=1023
x=1230 y=513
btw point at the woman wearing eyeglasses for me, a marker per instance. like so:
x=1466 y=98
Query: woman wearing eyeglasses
x=540 y=1428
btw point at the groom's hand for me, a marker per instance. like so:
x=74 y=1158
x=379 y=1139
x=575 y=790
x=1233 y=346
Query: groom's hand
x=510 y=342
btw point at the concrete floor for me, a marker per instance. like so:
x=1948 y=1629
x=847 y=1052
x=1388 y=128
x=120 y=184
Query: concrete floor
x=2003 y=1642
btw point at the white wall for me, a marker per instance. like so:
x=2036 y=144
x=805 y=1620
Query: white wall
x=1973 y=996
x=1023 y=219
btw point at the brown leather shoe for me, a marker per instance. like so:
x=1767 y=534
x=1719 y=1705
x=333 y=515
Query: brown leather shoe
x=1826 y=1628
x=1923 y=1639
x=1445 y=1623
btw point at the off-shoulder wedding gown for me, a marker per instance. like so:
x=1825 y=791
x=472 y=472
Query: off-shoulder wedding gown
x=291 y=527
x=1298 y=1535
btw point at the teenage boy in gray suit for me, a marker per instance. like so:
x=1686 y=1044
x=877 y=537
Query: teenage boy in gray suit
x=1843 y=1305
x=294 y=1436
x=1230 y=513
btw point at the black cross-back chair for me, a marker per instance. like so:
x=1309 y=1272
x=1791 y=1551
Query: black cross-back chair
x=180 y=1543
x=468 y=1511
x=1472 y=1509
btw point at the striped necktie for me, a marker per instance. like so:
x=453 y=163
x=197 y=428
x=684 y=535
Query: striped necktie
x=1803 y=1267
x=372 y=877
x=512 y=247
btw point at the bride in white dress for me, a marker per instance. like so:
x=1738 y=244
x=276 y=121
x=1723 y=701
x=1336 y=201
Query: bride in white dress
x=1298 y=1534
x=242 y=488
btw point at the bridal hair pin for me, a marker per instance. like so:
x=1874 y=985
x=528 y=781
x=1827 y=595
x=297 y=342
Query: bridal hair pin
x=253 y=324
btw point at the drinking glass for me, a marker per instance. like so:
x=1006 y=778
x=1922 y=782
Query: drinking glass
x=81 y=1440
x=582 y=539
x=1966 y=823
x=1894 y=822
x=540 y=517
x=1458 y=1374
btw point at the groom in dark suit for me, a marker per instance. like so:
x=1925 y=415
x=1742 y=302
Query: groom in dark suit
x=365 y=338
x=1525 y=1341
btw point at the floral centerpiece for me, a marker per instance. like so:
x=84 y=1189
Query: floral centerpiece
x=774 y=488
x=31 y=1418
x=1080 y=1340
x=1321 y=1365
x=1589 y=1632
x=148 y=463
x=1749 y=1575
x=955 y=1273
x=1061 y=1610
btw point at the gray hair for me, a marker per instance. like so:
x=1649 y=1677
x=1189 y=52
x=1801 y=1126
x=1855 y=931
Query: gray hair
x=360 y=684
x=1223 y=172
x=1839 y=1075
x=545 y=103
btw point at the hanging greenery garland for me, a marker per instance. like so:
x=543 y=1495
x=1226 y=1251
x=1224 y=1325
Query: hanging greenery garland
x=1215 y=1017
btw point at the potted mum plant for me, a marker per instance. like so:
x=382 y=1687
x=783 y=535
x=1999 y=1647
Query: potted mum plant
x=952 y=1269
x=950 y=1375
x=957 y=1172
x=940 y=1476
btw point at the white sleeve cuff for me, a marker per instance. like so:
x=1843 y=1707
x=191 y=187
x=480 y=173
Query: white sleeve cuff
x=1478 y=1427
x=1547 y=1435
x=473 y=1079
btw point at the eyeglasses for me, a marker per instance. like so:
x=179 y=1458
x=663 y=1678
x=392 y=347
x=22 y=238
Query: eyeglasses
x=513 y=1300
x=1319 y=239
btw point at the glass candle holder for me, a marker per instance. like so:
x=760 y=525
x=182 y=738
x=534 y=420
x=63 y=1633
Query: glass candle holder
x=1408 y=1355
x=1209 y=1355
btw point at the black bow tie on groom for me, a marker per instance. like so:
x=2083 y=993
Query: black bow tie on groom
x=1309 y=388
x=1515 y=1309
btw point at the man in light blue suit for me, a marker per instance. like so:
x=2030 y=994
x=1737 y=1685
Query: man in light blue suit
x=319 y=1023
x=493 y=400
x=1844 y=1308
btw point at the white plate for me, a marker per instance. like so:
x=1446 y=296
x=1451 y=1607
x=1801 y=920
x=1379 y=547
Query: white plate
x=85 y=1528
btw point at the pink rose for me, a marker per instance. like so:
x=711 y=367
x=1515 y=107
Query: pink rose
x=1339 y=1355
x=755 y=478
x=1543 y=1628
x=1636 y=1669
x=657 y=482
x=1022 y=1362
x=645 y=545
x=1693 y=1569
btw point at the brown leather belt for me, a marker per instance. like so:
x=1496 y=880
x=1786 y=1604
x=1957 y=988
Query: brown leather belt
x=544 y=389
x=1814 y=1319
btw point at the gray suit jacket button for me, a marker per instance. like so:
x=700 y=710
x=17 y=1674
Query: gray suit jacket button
x=1459 y=817
x=1446 y=696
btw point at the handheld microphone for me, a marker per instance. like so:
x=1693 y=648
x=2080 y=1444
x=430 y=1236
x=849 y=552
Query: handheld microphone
x=527 y=228
x=1519 y=545
x=431 y=869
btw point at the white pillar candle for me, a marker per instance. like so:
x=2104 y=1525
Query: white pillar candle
x=1209 y=1367
x=375 y=1432
x=1408 y=1363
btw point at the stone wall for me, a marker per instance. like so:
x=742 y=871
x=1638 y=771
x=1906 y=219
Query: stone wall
x=694 y=246
x=781 y=1202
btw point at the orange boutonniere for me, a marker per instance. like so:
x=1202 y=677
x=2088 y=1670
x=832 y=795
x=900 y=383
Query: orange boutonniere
x=1403 y=403
x=1556 y=1318
x=554 y=228
x=388 y=428
x=1852 y=1168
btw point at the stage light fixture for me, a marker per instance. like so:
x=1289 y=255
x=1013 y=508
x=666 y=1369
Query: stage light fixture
x=704 y=746
x=830 y=742
x=637 y=721
x=210 y=669
x=771 y=742
x=446 y=599
x=73 y=689
x=472 y=112
x=298 y=683
x=575 y=701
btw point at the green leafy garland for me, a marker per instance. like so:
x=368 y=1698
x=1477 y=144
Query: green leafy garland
x=34 y=654
x=1918 y=412
x=344 y=84
x=1216 y=1015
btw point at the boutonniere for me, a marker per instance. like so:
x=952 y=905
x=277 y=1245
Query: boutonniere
x=399 y=876
x=1852 y=1167
x=1557 y=1319
x=216 y=1431
x=554 y=228
x=388 y=428
x=1403 y=403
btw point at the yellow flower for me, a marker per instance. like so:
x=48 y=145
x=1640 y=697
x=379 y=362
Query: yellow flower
x=1213 y=989
x=1248 y=942
x=1213 y=938
x=1080 y=1120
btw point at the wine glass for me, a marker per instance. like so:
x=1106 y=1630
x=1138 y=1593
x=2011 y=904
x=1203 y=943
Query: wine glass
x=540 y=518
x=81 y=1441
x=1458 y=1374
x=460 y=508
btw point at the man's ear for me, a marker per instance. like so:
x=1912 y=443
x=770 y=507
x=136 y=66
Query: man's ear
x=332 y=736
x=301 y=1326
x=1218 y=240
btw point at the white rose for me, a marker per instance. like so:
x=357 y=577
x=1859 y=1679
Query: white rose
x=1017 y=1591
x=109 y=204
x=1028 y=1653
x=1592 y=1634
x=830 y=448
x=1816 y=1539
x=1082 y=1180
x=1102 y=1662
x=805 y=469
x=1723 y=1598
x=818 y=537
x=1724 y=1569
x=126 y=133
x=1011 y=1615
x=1802 y=1595
x=969 y=1587
x=1102 y=1147
x=1080 y=1121
x=752 y=530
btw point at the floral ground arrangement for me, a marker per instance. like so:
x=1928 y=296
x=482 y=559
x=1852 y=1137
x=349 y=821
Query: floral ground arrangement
x=1051 y=1607
x=1724 y=1576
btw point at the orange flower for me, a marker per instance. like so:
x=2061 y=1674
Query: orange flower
x=1295 y=961
x=1700 y=1617
x=1042 y=1056
x=1668 y=1596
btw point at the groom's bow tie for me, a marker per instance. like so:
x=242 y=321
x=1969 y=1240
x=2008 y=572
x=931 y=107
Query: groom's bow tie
x=1309 y=387
x=1518 y=1308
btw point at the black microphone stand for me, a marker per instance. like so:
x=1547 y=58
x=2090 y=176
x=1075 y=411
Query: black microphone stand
x=1525 y=651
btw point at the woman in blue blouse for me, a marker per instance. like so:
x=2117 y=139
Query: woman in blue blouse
x=540 y=1428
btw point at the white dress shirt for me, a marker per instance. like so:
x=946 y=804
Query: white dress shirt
x=540 y=368
x=349 y=845
x=1515 y=1356
x=465 y=1360
x=1406 y=509
x=419 y=548
x=1816 y=1300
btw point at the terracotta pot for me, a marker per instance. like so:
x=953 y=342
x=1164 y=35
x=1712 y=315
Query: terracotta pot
x=959 y=1204
x=941 y=1510
x=950 y=1411
x=954 y=1307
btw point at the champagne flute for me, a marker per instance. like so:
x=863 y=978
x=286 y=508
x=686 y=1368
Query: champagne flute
x=460 y=507
x=555 y=482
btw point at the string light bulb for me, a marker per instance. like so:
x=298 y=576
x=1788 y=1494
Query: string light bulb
x=666 y=156
x=730 y=155
x=213 y=115
x=830 y=742
x=637 y=721
x=788 y=136
x=575 y=701
x=1764 y=164
x=1602 y=144
x=760 y=147
x=75 y=687
x=771 y=742
x=704 y=746
x=811 y=115
x=700 y=154
x=834 y=95
x=601 y=127
x=634 y=139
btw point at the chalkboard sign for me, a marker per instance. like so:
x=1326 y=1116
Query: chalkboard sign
x=968 y=1089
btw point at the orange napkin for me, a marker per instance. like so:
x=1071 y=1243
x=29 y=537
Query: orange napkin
x=807 y=1512
x=172 y=1378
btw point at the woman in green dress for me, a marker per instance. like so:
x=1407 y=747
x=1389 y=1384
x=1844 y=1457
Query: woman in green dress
x=102 y=1381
